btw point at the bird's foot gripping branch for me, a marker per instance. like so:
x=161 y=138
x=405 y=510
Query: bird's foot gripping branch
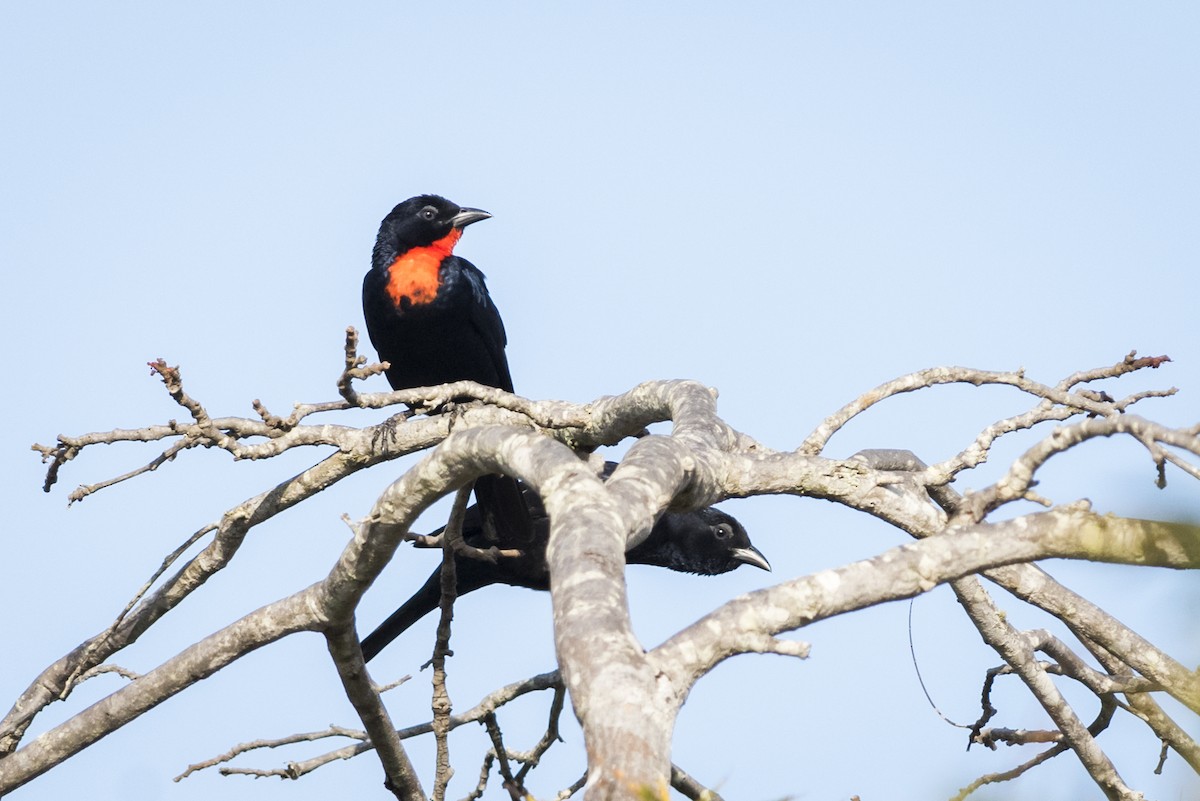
x=588 y=520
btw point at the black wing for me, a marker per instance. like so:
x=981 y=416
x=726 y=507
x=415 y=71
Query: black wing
x=485 y=319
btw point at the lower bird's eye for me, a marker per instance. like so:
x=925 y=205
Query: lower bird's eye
x=429 y=213
x=723 y=531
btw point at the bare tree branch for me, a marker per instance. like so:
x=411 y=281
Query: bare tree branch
x=684 y=783
x=531 y=759
x=625 y=696
x=908 y=570
x=441 y=648
x=347 y=656
x=139 y=696
x=925 y=379
x=488 y=705
x=277 y=742
x=1018 y=652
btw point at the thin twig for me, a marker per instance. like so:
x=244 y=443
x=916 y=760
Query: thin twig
x=278 y=742
x=81 y=492
x=684 y=783
x=924 y=379
x=515 y=791
x=530 y=761
x=441 y=649
x=354 y=368
x=564 y=794
x=401 y=776
x=490 y=703
x=484 y=772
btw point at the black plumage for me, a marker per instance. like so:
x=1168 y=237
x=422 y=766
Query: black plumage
x=706 y=542
x=429 y=315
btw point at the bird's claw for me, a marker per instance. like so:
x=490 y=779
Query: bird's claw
x=387 y=432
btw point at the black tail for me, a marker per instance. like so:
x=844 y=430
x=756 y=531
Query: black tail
x=424 y=601
x=501 y=501
x=470 y=575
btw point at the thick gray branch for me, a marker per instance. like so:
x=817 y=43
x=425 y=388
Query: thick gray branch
x=915 y=568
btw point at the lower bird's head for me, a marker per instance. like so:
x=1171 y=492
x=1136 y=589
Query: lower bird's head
x=421 y=222
x=706 y=541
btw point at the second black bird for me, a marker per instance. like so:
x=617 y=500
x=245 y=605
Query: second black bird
x=707 y=542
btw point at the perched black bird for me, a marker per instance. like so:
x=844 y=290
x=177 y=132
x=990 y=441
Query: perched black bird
x=707 y=542
x=430 y=317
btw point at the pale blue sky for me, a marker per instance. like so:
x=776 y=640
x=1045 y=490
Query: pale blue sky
x=792 y=202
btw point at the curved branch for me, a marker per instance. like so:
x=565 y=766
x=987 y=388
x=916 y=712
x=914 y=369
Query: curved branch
x=1089 y=403
x=195 y=663
x=1019 y=478
x=915 y=568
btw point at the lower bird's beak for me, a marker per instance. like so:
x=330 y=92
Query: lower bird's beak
x=467 y=216
x=752 y=556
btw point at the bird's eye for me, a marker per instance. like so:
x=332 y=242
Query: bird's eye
x=723 y=531
x=428 y=213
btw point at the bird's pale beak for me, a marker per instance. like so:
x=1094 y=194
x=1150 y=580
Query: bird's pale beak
x=467 y=216
x=752 y=556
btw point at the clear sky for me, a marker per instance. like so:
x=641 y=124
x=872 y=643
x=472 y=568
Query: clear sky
x=792 y=202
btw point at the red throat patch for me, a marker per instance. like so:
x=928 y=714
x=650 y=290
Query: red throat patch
x=414 y=273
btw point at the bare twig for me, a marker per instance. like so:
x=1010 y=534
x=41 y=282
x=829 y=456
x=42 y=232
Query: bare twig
x=441 y=648
x=99 y=670
x=566 y=793
x=1127 y=365
x=391 y=685
x=515 y=790
x=924 y=379
x=1009 y=775
x=1018 y=652
x=354 y=369
x=486 y=706
x=347 y=656
x=83 y=491
x=278 y=742
x=1144 y=707
x=530 y=760
x=691 y=788
x=484 y=772
x=1019 y=478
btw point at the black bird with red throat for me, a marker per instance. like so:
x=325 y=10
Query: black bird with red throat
x=429 y=315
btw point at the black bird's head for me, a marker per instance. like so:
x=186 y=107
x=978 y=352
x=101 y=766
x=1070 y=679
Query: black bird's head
x=420 y=222
x=706 y=541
